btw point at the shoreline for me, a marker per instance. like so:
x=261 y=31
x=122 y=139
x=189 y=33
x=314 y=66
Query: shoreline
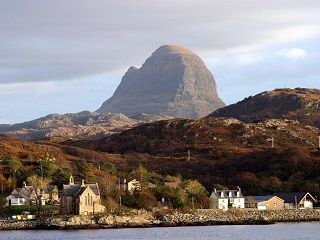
x=145 y=219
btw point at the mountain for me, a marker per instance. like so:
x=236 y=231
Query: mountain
x=222 y=150
x=72 y=125
x=174 y=81
x=300 y=104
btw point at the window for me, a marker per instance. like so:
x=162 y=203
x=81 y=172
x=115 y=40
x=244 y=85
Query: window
x=89 y=200
x=85 y=200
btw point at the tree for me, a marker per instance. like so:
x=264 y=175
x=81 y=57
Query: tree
x=2 y=182
x=13 y=164
x=60 y=177
x=11 y=183
x=197 y=194
x=141 y=174
x=140 y=200
x=39 y=184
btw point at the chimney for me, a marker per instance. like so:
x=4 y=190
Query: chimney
x=24 y=184
x=239 y=191
x=71 y=180
x=82 y=183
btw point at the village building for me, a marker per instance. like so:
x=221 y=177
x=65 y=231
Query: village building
x=264 y=202
x=225 y=199
x=81 y=199
x=29 y=195
x=176 y=184
x=134 y=185
x=299 y=200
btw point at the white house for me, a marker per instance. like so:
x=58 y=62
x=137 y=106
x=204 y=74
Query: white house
x=225 y=199
x=134 y=185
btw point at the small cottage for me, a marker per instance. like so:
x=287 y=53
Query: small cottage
x=225 y=199
x=264 y=202
x=81 y=199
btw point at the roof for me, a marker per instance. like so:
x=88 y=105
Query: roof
x=293 y=197
x=263 y=198
x=226 y=194
x=172 y=184
x=77 y=189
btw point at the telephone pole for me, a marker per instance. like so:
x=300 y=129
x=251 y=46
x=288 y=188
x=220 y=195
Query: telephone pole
x=189 y=157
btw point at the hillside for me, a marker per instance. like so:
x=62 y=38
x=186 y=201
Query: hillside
x=88 y=125
x=300 y=104
x=224 y=151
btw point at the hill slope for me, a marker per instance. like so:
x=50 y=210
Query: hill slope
x=224 y=151
x=85 y=124
x=299 y=104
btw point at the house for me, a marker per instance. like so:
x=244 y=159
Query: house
x=176 y=184
x=269 y=202
x=81 y=199
x=151 y=185
x=300 y=200
x=225 y=199
x=134 y=185
x=27 y=195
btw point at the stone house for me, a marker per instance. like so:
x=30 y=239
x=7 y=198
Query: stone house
x=225 y=199
x=264 y=202
x=300 y=200
x=81 y=199
x=28 y=195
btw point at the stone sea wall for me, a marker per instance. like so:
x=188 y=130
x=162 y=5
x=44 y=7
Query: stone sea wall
x=158 y=219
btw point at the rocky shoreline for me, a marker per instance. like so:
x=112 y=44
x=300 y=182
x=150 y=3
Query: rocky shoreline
x=158 y=219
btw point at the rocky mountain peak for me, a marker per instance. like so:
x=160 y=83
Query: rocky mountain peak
x=173 y=81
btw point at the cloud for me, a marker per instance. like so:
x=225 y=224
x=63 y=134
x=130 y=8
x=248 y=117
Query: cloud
x=293 y=53
x=44 y=40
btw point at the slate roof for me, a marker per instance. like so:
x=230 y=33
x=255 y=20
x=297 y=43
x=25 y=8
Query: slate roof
x=25 y=192
x=77 y=189
x=292 y=197
x=263 y=198
x=226 y=194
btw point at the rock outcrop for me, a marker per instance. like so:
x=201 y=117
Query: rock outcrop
x=158 y=219
x=173 y=81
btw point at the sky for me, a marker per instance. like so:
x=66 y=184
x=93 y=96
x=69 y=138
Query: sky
x=68 y=56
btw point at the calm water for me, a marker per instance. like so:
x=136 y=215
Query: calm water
x=292 y=231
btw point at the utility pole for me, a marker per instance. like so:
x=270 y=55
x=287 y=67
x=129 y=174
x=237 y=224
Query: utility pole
x=192 y=202
x=272 y=142
x=189 y=156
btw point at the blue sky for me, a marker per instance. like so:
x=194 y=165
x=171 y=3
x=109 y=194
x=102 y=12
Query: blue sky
x=68 y=56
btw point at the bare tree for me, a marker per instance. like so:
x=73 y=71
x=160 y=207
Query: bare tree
x=39 y=186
